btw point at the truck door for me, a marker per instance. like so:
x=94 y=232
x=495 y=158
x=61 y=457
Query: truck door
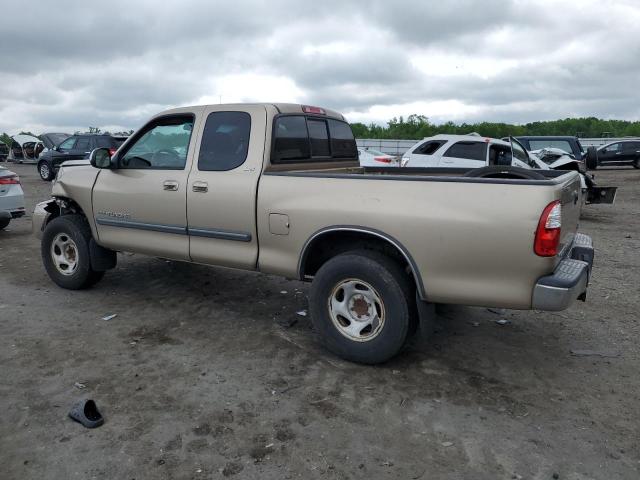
x=141 y=205
x=465 y=154
x=222 y=186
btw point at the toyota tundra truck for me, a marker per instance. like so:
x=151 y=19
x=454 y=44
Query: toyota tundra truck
x=277 y=188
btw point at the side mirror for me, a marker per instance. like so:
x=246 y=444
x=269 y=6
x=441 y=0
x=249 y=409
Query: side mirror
x=100 y=158
x=55 y=147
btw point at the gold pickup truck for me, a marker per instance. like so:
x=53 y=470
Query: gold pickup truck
x=277 y=188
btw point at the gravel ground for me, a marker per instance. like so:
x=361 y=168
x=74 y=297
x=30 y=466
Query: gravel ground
x=211 y=373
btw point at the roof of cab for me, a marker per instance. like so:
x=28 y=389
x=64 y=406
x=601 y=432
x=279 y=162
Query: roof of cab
x=280 y=107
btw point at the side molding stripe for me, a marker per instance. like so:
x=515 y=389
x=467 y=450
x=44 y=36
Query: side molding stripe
x=112 y=222
x=196 y=232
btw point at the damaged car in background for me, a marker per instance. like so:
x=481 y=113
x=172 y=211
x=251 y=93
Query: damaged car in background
x=11 y=197
x=492 y=158
x=558 y=159
x=25 y=149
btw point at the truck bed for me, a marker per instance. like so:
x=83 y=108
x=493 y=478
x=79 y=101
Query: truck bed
x=470 y=238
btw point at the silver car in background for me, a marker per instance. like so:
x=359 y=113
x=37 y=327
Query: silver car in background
x=375 y=158
x=11 y=197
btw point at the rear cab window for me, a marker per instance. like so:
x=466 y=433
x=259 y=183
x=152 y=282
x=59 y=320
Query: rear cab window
x=307 y=139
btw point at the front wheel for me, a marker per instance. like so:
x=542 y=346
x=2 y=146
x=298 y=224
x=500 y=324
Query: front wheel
x=65 y=252
x=45 y=171
x=4 y=222
x=362 y=306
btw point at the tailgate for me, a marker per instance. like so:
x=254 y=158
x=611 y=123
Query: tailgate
x=571 y=199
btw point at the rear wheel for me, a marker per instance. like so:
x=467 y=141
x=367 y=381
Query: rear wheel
x=636 y=163
x=65 y=252
x=45 y=171
x=362 y=305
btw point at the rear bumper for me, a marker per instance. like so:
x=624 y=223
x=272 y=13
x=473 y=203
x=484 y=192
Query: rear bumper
x=570 y=279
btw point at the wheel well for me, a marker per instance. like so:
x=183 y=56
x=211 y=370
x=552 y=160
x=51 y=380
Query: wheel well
x=63 y=206
x=327 y=245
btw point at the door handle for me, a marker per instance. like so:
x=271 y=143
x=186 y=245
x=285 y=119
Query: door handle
x=170 y=185
x=200 y=187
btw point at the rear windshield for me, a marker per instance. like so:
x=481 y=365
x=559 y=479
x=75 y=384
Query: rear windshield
x=298 y=138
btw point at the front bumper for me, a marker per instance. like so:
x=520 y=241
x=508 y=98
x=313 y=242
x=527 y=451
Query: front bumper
x=570 y=279
x=39 y=218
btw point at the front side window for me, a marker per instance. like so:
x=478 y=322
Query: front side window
x=615 y=147
x=429 y=148
x=162 y=145
x=519 y=152
x=67 y=144
x=468 y=150
x=225 y=141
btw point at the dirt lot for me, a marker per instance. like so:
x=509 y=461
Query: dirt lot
x=210 y=373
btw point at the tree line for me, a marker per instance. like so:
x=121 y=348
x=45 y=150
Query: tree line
x=418 y=126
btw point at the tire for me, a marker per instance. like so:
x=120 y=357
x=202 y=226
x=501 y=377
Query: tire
x=45 y=171
x=68 y=236
x=380 y=289
x=496 y=171
x=4 y=223
x=636 y=163
x=592 y=158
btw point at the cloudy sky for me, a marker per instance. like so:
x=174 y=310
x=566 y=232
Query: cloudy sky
x=69 y=65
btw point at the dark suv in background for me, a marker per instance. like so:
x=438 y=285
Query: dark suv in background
x=625 y=152
x=76 y=147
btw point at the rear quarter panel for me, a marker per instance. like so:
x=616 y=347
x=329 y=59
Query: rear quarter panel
x=471 y=241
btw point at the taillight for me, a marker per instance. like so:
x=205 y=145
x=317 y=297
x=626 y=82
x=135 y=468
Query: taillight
x=112 y=152
x=548 y=231
x=383 y=159
x=12 y=180
x=316 y=110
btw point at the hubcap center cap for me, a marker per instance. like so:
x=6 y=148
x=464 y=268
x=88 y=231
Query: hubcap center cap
x=359 y=307
x=70 y=254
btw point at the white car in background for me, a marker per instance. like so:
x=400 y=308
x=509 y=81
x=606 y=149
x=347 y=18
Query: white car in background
x=465 y=151
x=11 y=197
x=375 y=158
